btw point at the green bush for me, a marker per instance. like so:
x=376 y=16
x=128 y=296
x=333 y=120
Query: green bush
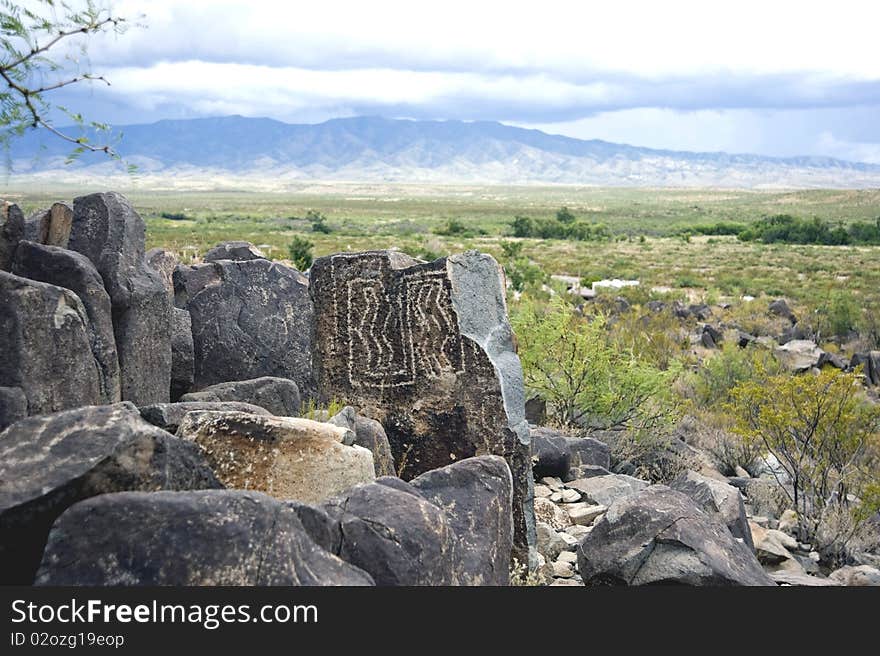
x=300 y=251
x=587 y=380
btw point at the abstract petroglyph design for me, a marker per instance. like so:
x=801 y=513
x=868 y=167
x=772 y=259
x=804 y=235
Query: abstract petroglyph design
x=399 y=328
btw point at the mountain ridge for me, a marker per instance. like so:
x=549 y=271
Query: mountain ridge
x=375 y=148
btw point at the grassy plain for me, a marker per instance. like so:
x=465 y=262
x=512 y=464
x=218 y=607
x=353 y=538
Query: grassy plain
x=643 y=222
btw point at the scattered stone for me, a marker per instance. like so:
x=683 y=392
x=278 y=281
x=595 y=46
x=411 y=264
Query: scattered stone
x=542 y=491
x=390 y=531
x=780 y=308
x=168 y=416
x=562 y=570
x=73 y=271
x=659 y=535
x=238 y=251
x=857 y=575
x=249 y=319
x=476 y=495
x=568 y=557
x=710 y=336
x=605 y=490
x=108 y=231
x=870 y=364
x=719 y=499
x=555 y=484
x=285 y=457
x=800 y=579
x=216 y=537
x=788 y=522
x=585 y=514
x=548 y=512
x=577 y=531
x=570 y=540
x=799 y=355
x=280 y=396
x=428 y=348
x=570 y=496
x=46 y=346
x=50 y=462
x=744 y=339
x=771 y=546
x=549 y=542
x=550 y=454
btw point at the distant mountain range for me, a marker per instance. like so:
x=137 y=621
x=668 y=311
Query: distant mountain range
x=388 y=150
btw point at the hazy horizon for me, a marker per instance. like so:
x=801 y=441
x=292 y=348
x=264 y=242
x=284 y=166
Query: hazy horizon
x=782 y=79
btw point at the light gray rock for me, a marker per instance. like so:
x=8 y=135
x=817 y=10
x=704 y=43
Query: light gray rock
x=50 y=227
x=605 y=490
x=548 y=512
x=215 y=537
x=661 y=536
x=799 y=355
x=50 y=462
x=585 y=514
x=857 y=575
x=238 y=251
x=427 y=347
x=164 y=263
x=549 y=542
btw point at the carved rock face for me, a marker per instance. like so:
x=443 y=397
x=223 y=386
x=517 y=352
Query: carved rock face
x=249 y=319
x=426 y=349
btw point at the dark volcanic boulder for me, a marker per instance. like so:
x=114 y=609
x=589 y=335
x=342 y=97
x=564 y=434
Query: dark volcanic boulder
x=370 y=435
x=589 y=452
x=869 y=361
x=780 y=308
x=213 y=537
x=12 y=228
x=427 y=347
x=73 y=271
x=182 y=354
x=550 y=454
x=390 y=531
x=719 y=499
x=238 y=251
x=249 y=319
x=45 y=346
x=168 y=416
x=660 y=536
x=108 y=231
x=476 y=495
x=280 y=396
x=13 y=406
x=50 y=462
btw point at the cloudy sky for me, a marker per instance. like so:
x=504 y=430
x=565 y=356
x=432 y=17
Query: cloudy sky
x=775 y=77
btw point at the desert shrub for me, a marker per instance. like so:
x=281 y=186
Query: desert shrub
x=174 y=216
x=653 y=455
x=724 y=370
x=524 y=226
x=655 y=337
x=300 y=251
x=319 y=222
x=784 y=228
x=839 y=314
x=586 y=379
x=824 y=433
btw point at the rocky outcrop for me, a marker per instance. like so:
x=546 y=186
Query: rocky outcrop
x=605 y=490
x=370 y=435
x=50 y=462
x=869 y=361
x=238 y=251
x=46 y=346
x=476 y=495
x=13 y=406
x=280 y=396
x=660 y=536
x=249 y=319
x=426 y=349
x=718 y=499
x=108 y=231
x=50 y=227
x=799 y=355
x=216 y=537
x=73 y=271
x=164 y=263
x=285 y=457
x=390 y=531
